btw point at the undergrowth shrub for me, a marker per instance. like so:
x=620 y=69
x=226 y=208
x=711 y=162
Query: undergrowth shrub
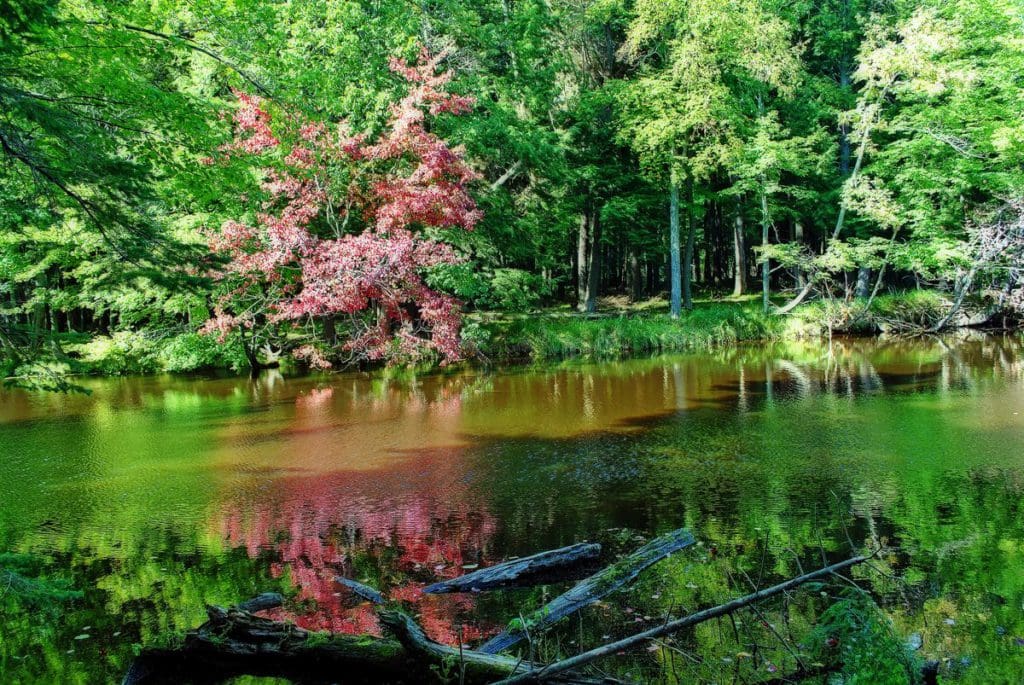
x=855 y=636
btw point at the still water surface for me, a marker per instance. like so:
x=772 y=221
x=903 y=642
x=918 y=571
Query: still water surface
x=155 y=496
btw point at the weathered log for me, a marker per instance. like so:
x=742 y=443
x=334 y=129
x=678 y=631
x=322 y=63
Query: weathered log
x=466 y=664
x=532 y=570
x=592 y=589
x=267 y=600
x=234 y=642
x=364 y=591
x=545 y=673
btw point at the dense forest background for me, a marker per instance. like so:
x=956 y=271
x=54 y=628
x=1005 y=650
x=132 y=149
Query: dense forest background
x=661 y=151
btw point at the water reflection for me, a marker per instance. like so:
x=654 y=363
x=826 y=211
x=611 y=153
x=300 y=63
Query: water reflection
x=392 y=529
x=158 y=495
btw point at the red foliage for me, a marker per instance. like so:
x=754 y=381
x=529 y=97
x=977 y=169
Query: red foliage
x=323 y=248
x=317 y=528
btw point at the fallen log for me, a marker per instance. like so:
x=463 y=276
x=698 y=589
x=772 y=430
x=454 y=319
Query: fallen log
x=545 y=673
x=536 y=569
x=233 y=643
x=364 y=591
x=468 y=665
x=268 y=600
x=592 y=589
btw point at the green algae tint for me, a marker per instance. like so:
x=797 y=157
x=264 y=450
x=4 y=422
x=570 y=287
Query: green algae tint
x=123 y=512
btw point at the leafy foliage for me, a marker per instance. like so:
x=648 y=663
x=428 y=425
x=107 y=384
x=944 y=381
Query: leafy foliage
x=342 y=231
x=840 y=149
x=855 y=634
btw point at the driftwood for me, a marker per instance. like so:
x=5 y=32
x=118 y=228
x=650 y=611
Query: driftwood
x=545 y=673
x=268 y=600
x=466 y=664
x=364 y=591
x=233 y=642
x=532 y=570
x=591 y=590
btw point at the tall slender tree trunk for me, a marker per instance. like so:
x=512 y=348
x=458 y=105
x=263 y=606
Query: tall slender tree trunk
x=691 y=234
x=709 y=248
x=635 y=283
x=594 y=268
x=844 y=128
x=739 y=283
x=675 y=283
x=581 y=260
x=330 y=330
x=798 y=237
x=39 y=314
x=766 y=273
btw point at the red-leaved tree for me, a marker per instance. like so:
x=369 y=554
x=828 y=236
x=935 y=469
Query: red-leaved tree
x=333 y=265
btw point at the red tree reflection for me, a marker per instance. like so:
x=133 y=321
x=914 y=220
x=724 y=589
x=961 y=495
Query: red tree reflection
x=395 y=528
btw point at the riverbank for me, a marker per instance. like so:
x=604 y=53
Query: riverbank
x=618 y=329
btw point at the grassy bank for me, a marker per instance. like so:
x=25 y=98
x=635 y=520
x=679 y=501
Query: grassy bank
x=618 y=329
x=560 y=336
x=647 y=328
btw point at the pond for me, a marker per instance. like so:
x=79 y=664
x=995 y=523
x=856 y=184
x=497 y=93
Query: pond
x=130 y=508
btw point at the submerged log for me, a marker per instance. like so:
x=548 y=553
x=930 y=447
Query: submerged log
x=468 y=665
x=592 y=589
x=233 y=642
x=539 y=568
x=364 y=591
x=268 y=600
x=546 y=673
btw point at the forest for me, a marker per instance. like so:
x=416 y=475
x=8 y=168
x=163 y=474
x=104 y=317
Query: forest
x=329 y=184
x=512 y=341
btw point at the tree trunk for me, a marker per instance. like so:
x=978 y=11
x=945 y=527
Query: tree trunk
x=691 y=235
x=330 y=330
x=636 y=284
x=766 y=273
x=798 y=237
x=594 y=268
x=844 y=128
x=675 y=282
x=669 y=627
x=581 y=260
x=739 y=284
x=250 y=354
x=234 y=642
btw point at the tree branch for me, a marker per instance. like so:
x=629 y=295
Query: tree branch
x=540 y=674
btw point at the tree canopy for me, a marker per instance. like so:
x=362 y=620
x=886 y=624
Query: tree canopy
x=613 y=147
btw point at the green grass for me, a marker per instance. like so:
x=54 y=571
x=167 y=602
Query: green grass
x=621 y=330
x=554 y=336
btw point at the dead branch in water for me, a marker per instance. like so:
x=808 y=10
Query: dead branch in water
x=364 y=591
x=546 y=672
x=597 y=586
x=536 y=569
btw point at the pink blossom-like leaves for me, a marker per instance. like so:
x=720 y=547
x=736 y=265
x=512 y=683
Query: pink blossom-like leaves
x=406 y=180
